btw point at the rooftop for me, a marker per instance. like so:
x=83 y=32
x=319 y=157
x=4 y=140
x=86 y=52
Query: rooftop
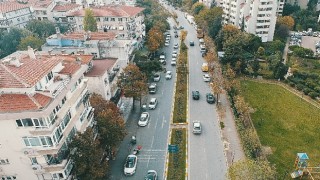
x=100 y=67
x=91 y=35
x=65 y=7
x=110 y=11
x=11 y=6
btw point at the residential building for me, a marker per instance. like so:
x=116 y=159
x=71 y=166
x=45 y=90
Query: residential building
x=14 y=14
x=126 y=21
x=44 y=102
x=42 y=9
x=90 y=3
x=257 y=17
x=60 y=11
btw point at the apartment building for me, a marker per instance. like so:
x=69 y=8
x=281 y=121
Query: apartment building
x=254 y=16
x=42 y=9
x=44 y=102
x=14 y=14
x=126 y=21
x=60 y=11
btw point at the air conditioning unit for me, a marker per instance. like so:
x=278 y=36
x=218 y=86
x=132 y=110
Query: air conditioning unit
x=36 y=167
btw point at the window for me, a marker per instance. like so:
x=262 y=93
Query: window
x=50 y=75
x=8 y=177
x=44 y=141
x=120 y=19
x=64 y=100
x=113 y=19
x=33 y=160
x=106 y=19
x=4 y=161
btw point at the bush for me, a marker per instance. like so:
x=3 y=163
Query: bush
x=313 y=94
x=299 y=86
x=222 y=125
x=306 y=91
x=317 y=89
x=291 y=84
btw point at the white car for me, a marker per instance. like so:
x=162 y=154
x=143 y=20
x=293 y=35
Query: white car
x=167 y=43
x=131 y=165
x=176 y=46
x=168 y=75
x=196 y=127
x=144 y=119
x=153 y=103
x=156 y=77
x=173 y=62
x=206 y=78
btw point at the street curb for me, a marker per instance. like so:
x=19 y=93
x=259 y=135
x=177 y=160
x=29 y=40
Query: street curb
x=221 y=136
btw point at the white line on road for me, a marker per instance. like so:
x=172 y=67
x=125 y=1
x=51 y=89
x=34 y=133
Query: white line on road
x=163 y=121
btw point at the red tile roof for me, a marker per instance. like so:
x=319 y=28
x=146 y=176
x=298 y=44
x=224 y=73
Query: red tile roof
x=100 y=67
x=110 y=11
x=22 y=102
x=11 y=6
x=65 y=7
x=93 y=35
x=39 y=3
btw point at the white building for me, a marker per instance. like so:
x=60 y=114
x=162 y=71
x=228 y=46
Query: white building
x=14 y=14
x=125 y=21
x=42 y=9
x=257 y=17
x=60 y=11
x=43 y=103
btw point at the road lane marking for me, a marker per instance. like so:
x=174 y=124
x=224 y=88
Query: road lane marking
x=163 y=121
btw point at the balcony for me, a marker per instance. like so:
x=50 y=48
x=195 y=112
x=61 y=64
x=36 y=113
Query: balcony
x=59 y=83
x=56 y=162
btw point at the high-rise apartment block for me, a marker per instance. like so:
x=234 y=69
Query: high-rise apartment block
x=254 y=16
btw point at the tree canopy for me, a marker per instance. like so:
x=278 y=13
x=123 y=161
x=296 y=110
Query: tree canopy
x=31 y=41
x=89 y=22
x=41 y=28
x=155 y=39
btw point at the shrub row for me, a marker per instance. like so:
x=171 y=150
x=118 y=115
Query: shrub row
x=306 y=83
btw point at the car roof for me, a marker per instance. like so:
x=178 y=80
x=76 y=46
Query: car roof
x=144 y=114
x=132 y=155
x=196 y=124
x=153 y=99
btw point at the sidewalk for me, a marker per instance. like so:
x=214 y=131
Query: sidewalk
x=230 y=135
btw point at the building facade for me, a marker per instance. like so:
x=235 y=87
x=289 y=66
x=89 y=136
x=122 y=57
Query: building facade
x=125 y=21
x=60 y=11
x=254 y=16
x=44 y=102
x=14 y=14
x=42 y=9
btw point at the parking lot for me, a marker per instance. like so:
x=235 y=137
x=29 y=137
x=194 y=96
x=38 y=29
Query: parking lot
x=309 y=42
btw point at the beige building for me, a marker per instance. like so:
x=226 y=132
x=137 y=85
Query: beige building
x=43 y=104
x=60 y=11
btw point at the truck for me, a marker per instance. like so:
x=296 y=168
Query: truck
x=200 y=33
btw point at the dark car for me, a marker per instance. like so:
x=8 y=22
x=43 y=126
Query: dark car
x=181 y=27
x=210 y=98
x=151 y=175
x=195 y=95
x=191 y=43
x=176 y=35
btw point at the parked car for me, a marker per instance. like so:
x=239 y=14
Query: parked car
x=176 y=35
x=173 y=62
x=176 y=46
x=144 y=119
x=131 y=165
x=151 y=175
x=153 y=103
x=168 y=75
x=181 y=27
x=196 y=127
x=191 y=43
x=210 y=98
x=195 y=95
x=167 y=43
x=163 y=59
x=156 y=77
x=206 y=78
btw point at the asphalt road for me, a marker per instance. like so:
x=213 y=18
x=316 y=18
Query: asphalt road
x=152 y=138
x=206 y=153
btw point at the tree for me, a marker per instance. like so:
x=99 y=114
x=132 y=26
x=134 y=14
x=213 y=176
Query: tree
x=197 y=7
x=155 y=39
x=133 y=82
x=110 y=123
x=260 y=51
x=255 y=67
x=86 y=154
x=289 y=9
x=281 y=32
x=280 y=70
x=41 y=28
x=251 y=170
x=89 y=22
x=31 y=41
x=286 y=20
x=148 y=67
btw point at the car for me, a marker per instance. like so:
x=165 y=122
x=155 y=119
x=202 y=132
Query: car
x=176 y=46
x=175 y=31
x=174 y=55
x=210 y=98
x=176 y=35
x=195 y=95
x=181 y=27
x=131 y=165
x=156 y=77
x=206 y=78
x=167 y=43
x=168 y=75
x=196 y=127
x=163 y=59
x=173 y=62
x=175 y=27
x=144 y=119
x=191 y=43
x=151 y=175
x=153 y=103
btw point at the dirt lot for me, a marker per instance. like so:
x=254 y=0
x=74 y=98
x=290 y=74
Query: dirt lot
x=309 y=42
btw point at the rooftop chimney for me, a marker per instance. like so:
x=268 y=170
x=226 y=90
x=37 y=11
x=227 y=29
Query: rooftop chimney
x=31 y=53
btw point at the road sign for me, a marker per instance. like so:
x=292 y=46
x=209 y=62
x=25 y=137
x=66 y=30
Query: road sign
x=172 y=148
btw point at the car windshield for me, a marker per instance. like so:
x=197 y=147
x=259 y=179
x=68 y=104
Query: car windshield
x=143 y=117
x=150 y=177
x=152 y=102
x=130 y=162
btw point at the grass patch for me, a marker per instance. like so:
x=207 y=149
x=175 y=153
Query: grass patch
x=180 y=97
x=284 y=122
x=177 y=161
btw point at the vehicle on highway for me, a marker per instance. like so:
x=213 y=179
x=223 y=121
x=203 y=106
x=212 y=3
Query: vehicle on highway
x=173 y=62
x=196 y=127
x=153 y=103
x=168 y=75
x=205 y=67
x=151 y=175
x=131 y=165
x=195 y=95
x=191 y=43
x=144 y=119
x=210 y=98
x=156 y=77
x=152 y=88
x=206 y=78
x=176 y=46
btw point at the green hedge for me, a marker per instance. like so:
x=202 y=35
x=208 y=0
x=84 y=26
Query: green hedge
x=177 y=161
